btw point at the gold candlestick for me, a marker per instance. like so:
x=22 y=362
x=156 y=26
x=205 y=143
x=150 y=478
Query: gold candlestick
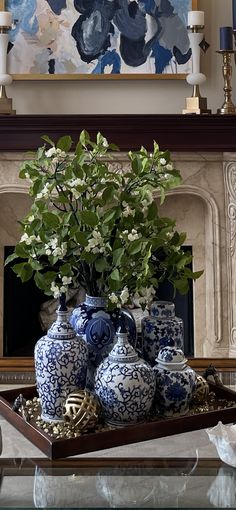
x=228 y=107
x=5 y=79
x=2 y=5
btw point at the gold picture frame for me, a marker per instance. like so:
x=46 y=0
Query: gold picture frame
x=17 y=44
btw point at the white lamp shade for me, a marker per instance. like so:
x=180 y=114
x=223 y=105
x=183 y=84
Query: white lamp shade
x=5 y=19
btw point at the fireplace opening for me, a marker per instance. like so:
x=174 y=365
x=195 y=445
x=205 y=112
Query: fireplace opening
x=22 y=326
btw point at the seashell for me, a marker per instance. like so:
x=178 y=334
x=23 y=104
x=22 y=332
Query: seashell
x=224 y=439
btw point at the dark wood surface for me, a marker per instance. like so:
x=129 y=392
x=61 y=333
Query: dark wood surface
x=173 y=132
x=59 y=448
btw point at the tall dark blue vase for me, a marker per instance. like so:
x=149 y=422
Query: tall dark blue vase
x=98 y=326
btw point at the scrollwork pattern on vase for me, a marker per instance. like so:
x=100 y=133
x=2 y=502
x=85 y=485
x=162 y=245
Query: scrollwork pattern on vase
x=125 y=385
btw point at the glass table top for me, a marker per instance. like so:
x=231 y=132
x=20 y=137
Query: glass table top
x=117 y=483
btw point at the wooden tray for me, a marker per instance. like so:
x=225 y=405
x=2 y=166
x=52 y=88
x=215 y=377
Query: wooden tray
x=59 y=448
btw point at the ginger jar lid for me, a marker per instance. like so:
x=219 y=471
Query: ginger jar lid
x=61 y=329
x=171 y=358
x=123 y=352
x=162 y=310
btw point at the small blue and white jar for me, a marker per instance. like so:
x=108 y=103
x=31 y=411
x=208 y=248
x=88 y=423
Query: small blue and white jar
x=125 y=385
x=161 y=328
x=175 y=382
x=60 y=364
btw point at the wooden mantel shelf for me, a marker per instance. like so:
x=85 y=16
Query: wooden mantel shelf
x=174 y=132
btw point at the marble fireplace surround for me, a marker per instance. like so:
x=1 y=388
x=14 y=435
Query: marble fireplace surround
x=204 y=206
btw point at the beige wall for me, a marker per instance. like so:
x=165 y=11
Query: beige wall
x=129 y=96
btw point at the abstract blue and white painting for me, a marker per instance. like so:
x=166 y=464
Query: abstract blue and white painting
x=99 y=37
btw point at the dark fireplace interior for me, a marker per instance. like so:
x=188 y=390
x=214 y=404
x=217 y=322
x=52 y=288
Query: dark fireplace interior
x=22 y=301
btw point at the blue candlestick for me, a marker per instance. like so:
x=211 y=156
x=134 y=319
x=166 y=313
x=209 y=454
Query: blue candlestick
x=234 y=14
x=226 y=38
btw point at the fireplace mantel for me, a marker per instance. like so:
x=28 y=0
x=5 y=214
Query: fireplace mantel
x=175 y=132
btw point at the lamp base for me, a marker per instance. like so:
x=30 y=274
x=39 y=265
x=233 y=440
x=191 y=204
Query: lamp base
x=6 y=106
x=196 y=105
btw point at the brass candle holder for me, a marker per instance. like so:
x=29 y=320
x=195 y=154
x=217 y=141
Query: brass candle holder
x=5 y=78
x=228 y=107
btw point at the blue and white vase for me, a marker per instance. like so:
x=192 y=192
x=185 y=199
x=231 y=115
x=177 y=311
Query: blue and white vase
x=161 y=328
x=98 y=326
x=61 y=364
x=175 y=382
x=125 y=385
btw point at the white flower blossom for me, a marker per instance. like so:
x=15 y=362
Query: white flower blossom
x=128 y=212
x=25 y=238
x=113 y=298
x=44 y=193
x=31 y=218
x=169 y=166
x=105 y=142
x=133 y=235
x=96 y=243
x=163 y=161
x=66 y=280
x=50 y=152
x=124 y=296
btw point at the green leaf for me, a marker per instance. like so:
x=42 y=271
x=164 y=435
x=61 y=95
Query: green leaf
x=152 y=211
x=181 y=285
x=48 y=140
x=101 y=265
x=23 y=270
x=110 y=215
x=64 y=143
x=108 y=194
x=65 y=270
x=50 y=220
x=135 y=246
x=117 y=256
x=50 y=276
x=36 y=266
x=115 y=275
x=89 y=218
x=81 y=238
x=11 y=257
x=21 y=251
x=40 y=281
x=84 y=138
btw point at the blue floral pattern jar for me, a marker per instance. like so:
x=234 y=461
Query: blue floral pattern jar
x=61 y=364
x=125 y=385
x=160 y=329
x=175 y=382
x=98 y=326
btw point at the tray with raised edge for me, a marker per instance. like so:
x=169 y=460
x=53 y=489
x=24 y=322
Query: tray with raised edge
x=94 y=441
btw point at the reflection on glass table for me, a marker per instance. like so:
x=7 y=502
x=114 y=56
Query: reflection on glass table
x=117 y=483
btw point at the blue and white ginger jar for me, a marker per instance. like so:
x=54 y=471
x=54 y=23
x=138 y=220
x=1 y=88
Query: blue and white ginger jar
x=175 y=382
x=98 y=326
x=161 y=328
x=125 y=385
x=61 y=364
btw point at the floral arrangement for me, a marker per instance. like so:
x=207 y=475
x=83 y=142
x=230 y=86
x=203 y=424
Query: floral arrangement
x=94 y=226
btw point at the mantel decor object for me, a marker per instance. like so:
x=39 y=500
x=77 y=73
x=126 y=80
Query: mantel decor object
x=196 y=104
x=5 y=78
x=226 y=50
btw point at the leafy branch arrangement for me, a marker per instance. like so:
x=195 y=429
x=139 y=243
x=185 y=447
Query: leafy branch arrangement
x=92 y=226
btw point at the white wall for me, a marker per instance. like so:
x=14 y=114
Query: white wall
x=131 y=96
